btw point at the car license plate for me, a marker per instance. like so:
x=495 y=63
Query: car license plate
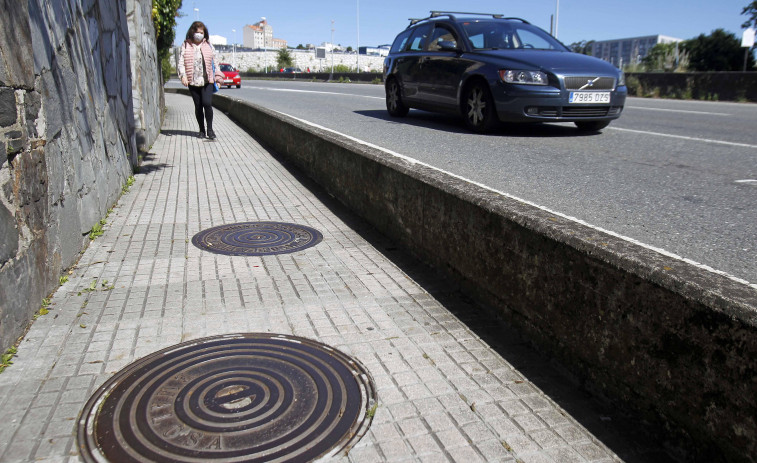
x=589 y=97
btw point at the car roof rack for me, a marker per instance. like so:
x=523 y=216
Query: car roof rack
x=451 y=15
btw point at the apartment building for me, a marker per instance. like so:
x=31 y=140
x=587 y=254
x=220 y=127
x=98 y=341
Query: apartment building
x=260 y=35
x=622 y=52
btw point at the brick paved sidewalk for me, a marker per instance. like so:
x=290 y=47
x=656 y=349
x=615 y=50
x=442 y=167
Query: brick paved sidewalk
x=444 y=394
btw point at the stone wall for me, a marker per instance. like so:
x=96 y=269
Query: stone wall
x=67 y=134
x=303 y=59
x=147 y=88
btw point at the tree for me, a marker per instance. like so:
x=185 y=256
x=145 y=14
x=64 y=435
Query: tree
x=164 y=14
x=719 y=51
x=751 y=11
x=349 y=49
x=284 y=58
x=666 y=57
x=585 y=47
x=300 y=47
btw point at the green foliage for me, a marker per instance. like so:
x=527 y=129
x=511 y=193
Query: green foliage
x=751 y=12
x=284 y=59
x=97 y=230
x=5 y=359
x=166 y=68
x=584 y=47
x=342 y=68
x=377 y=81
x=62 y=280
x=164 y=14
x=667 y=57
x=127 y=185
x=719 y=51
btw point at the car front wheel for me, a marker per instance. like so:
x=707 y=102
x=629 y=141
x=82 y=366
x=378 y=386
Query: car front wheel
x=592 y=126
x=478 y=108
x=394 y=103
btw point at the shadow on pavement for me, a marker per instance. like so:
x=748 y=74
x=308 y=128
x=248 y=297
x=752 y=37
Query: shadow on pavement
x=453 y=124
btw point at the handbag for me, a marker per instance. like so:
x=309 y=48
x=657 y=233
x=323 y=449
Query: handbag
x=215 y=84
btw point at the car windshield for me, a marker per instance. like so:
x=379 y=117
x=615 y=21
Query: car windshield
x=227 y=68
x=495 y=35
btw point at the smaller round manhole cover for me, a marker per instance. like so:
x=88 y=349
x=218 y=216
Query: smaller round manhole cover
x=240 y=397
x=257 y=238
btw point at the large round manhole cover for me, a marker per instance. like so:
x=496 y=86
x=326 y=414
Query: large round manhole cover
x=257 y=238
x=234 y=398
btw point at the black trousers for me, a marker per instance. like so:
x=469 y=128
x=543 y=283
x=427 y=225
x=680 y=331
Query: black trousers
x=203 y=99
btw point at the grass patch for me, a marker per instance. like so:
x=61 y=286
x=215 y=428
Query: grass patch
x=6 y=358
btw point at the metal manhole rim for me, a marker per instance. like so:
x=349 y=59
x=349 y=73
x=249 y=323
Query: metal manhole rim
x=203 y=239
x=90 y=451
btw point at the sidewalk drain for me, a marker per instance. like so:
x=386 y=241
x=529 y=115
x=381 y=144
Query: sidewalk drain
x=242 y=397
x=257 y=238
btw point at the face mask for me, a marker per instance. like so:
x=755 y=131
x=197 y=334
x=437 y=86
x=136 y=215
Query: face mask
x=199 y=36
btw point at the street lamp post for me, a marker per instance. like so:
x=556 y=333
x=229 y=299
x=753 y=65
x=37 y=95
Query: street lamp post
x=557 y=16
x=197 y=14
x=358 y=36
x=331 y=75
x=265 y=47
x=234 y=48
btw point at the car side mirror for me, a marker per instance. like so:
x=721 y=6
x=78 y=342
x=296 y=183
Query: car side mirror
x=446 y=45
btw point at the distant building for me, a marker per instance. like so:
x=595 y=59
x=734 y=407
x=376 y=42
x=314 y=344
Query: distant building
x=218 y=40
x=622 y=52
x=374 y=51
x=260 y=35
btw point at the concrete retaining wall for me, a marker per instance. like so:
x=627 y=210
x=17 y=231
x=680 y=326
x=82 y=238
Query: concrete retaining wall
x=720 y=86
x=675 y=344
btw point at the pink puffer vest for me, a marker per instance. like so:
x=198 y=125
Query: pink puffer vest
x=207 y=57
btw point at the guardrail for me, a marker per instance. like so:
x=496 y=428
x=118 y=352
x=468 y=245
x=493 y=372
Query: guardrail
x=317 y=76
x=672 y=342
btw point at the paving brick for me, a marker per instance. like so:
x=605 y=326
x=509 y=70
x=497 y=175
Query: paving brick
x=443 y=393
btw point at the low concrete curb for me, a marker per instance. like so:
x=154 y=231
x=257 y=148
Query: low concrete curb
x=672 y=342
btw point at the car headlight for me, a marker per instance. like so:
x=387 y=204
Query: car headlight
x=523 y=77
x=622 y=79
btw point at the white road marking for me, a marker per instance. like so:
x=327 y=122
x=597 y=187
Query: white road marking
x=530 y=203
x=748 y=181
x=677 y=111
x=314 y=91
x=683 y=137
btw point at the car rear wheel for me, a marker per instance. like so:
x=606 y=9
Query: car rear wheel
x=592 y=126
x=394 y=103
x=478 y=108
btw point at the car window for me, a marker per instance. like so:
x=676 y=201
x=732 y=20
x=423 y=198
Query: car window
x=419 y=37
x=486 y=35
x=400 y=42
x=227 y=68
x=441 y=34
x=528 y=39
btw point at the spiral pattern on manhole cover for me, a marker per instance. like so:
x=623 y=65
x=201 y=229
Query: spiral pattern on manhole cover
x=257 y=238
x=235 y=398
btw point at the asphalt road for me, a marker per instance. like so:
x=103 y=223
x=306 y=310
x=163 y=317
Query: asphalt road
x=676 y=175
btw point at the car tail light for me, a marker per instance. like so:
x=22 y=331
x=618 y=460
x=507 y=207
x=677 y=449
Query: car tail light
x=523 y=77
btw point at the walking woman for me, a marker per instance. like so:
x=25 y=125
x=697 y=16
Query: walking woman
x=195 y=69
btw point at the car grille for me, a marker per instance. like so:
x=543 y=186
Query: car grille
x=585 y=112
x=602 y=83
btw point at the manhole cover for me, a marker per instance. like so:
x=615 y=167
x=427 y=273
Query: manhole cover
x=241 y=398
x=257 y=238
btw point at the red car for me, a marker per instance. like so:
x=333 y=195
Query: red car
x=230 y=75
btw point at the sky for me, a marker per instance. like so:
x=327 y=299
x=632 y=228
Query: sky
x=379 y=21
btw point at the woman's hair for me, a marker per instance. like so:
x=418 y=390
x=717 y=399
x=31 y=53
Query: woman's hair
x=194 y=27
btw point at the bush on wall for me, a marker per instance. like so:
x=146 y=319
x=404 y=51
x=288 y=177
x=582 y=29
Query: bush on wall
x=164 y=14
